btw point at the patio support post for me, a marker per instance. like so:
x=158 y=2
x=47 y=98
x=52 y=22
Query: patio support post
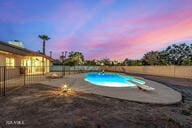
x=31 y=66
x=4 y=79
x=24 y=76
x=43 y=66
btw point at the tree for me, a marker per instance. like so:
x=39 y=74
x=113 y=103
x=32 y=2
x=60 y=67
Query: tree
x=74 y=58
x=163 y=58
x=63 y=56
x=91 y=62
x=106 y=61
x=151 y=58
x=56 y=62
x=44 y=38
x=176 y=54
x=129 y=62
x=187 y=61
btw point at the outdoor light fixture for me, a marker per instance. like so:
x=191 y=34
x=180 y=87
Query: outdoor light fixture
x=65 y=88
x=69 y=90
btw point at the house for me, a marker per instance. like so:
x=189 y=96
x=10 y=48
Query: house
x=16 y=58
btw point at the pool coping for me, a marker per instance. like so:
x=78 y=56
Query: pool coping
x=161 y=95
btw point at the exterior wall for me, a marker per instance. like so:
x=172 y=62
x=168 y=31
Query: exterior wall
x=2 y=59
x=36 y=64
x=47 y=65
x=33 y=68
x=10 y=72
x=170 y=71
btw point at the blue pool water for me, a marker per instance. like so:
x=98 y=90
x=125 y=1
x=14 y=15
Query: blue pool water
x=111 y=79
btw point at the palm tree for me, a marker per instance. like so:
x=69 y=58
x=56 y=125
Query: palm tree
x=44 y=38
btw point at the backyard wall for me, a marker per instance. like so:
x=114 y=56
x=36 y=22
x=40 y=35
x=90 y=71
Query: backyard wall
x=170 y=71
x=58 y=68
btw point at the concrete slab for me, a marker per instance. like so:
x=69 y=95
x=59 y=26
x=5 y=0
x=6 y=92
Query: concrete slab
x=161 y=95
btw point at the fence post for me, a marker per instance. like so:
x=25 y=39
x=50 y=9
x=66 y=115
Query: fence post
x=4 y=78
x=24 y=76
x=43 y=69
x=0 y=81
x=64 y=70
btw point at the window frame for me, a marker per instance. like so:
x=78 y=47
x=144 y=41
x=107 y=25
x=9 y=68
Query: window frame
x=10 y=62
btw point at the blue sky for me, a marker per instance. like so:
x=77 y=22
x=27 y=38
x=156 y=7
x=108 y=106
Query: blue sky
x=115 y=29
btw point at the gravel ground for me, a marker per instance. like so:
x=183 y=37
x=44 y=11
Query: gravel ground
x=42 y=106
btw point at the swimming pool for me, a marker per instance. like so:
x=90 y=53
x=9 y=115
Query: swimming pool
x=111 y=80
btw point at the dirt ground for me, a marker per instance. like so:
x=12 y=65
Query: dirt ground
x=41 y=106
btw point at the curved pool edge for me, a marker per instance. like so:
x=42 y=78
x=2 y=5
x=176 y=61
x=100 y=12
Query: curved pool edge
x=163 y=95
x=112 y=80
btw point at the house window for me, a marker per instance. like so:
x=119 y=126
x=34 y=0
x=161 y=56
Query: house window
x=10 y=62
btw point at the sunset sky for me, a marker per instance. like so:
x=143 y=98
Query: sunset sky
x=114 y=29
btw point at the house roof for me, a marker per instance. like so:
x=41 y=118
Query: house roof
x=20 y=51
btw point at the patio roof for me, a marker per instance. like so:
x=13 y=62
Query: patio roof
x=20 y=51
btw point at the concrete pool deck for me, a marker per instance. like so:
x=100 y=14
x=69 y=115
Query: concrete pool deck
x=161 y=95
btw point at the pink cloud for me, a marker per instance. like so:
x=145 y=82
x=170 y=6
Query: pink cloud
x=103 y=31
x=134 y=42
x=73 y=16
